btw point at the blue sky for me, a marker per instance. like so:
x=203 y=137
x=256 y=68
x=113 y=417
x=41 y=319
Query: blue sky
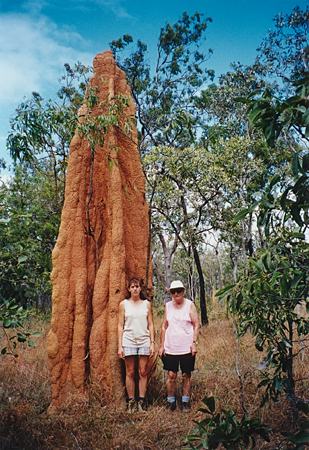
x=38 y=36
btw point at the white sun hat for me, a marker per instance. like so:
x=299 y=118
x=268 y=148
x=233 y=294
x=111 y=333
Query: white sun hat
x=177 y=284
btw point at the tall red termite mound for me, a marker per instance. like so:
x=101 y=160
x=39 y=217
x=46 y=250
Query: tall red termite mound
x=102 y=242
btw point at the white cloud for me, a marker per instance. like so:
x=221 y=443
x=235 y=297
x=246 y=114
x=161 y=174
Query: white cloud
x=32 y=53
x=34 y=6
x=33 y=50
x=116 y=7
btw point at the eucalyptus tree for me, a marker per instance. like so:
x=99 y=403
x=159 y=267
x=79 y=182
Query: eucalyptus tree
x=180 y=200
x=41 y=130
x=164 y=92
x=200 y=189
x=223 y=115
x=274 y=285
x=284 y=53
x=246 y=158
x=32 y=199
x=28 y=227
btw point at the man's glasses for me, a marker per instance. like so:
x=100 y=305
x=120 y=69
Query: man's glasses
x=176 y=291
x=134 y=286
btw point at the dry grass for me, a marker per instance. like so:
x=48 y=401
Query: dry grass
x=25 y=395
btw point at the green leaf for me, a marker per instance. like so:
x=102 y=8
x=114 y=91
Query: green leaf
x=222 y=292
x=295 y=211
x=243 y=213
x=7 y=323
x=36 y=333
x=22 y=259
x=210 y=402
x=274 y=180
x=305 y=161
x=301 y=438
x=296 y=167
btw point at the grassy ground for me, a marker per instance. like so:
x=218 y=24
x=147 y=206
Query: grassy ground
x=25 y=396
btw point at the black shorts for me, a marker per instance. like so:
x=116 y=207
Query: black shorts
x=172 y=362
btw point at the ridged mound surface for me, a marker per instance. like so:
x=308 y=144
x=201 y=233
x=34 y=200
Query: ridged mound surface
x=102 y=242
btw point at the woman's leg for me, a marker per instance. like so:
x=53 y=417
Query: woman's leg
x=130 y=384
x=142 y=366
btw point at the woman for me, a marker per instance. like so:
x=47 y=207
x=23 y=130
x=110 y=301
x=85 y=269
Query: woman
x=135 y=338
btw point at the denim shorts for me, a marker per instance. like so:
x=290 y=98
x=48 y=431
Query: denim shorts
x=140 y=351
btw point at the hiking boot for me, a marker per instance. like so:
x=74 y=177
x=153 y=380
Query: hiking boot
x=171 y=405
x=131 y=406
x=141 y=405
x=185 y=406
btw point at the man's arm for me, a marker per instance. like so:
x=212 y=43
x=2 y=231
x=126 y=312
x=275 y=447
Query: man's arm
x=162 y=335
x=196 y=326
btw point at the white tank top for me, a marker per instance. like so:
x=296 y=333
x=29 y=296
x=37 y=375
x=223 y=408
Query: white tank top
x=135 y=330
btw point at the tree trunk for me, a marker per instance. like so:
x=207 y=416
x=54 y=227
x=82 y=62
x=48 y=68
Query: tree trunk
x=220 y=273
x=234 y=262
x=168 y=253
x=289 y=366
x=204 y=317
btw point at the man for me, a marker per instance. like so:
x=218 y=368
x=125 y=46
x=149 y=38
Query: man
x=178 y=344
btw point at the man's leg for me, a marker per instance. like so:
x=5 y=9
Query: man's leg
x=186 y=384
x=187 y=365
x=171 y=363
x=171 y=389
x=171 y=383
x=186 y=389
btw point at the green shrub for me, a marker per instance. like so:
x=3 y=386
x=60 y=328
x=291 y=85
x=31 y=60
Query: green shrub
x=224 y=428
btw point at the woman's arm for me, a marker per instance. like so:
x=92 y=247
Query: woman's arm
x=120 y=329
x=150 y=327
